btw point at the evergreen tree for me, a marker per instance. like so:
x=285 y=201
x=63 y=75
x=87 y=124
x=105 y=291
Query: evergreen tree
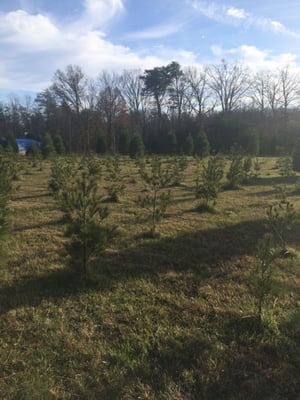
x=11 y=144
x=155 y=199
x=262 y=284
x=115 y=186
x=188 y=146
x=59 y=145
x=33 y=151
x=172 y=143
x=47 y=146
x=208 y=185
x=84 y=218
x=136 y=149
x=235 y=175
x=201 y=144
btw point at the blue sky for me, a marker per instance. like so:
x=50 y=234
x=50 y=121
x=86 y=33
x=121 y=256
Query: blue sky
x=37 y=37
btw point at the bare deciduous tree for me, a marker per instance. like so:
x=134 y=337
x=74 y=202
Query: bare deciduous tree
x=111 y=104
x=198 y=91
x=230 y=83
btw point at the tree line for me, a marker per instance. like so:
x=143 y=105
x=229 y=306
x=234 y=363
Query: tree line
x=172 y=110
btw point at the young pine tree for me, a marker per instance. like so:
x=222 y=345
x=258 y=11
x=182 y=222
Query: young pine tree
x=47 y=146
x=281 y=218
x=156 y=199
x=85 y=219
x=188 y=145
x=115 y=185
x=136 y=147
x=59 y=145
x=62 y=176
x=208 y=184
x=178 y=165
x=262 y=284
x=201 y=145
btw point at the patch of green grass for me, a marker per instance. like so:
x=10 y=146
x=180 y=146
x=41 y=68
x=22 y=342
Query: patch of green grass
x=168 y=317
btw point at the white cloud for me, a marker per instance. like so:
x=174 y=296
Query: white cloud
x=254 y=58
x=236 y=13
x=20 y=28
x=208 y=9
x=99 y=12
x=33 y=46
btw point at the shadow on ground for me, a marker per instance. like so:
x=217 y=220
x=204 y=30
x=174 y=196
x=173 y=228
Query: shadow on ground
x=201 y=253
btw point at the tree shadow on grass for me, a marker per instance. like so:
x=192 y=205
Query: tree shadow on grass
x=273 y=180
x=239 y=361
x=200 y=252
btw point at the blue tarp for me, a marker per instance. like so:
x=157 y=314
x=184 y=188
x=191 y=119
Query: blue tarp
x=23 y=144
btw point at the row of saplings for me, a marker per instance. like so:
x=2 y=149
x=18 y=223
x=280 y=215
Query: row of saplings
x=76 y=190
x=75 y=187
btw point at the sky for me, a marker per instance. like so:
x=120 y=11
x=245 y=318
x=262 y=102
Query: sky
x=37 y=37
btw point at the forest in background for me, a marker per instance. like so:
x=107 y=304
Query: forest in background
x=174 y=110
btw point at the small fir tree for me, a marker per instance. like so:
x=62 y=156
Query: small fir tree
x=188 y=146
x=172 y=143
x=256 y=167
x=201 y=145
x=85 y=220
x=156 y=199
x=178 y=165
x=47 y=146
x=11 y=144
x=62 y=176
x=208 y=184
x=115 y=187
x=281 y=218
x=285 y=166
x=262 y=283
x=59 y=145
x=235 y=175
x=33 y=151
x=136 y=148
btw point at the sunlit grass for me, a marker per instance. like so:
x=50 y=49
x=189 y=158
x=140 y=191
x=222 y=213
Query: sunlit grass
x=158 y=318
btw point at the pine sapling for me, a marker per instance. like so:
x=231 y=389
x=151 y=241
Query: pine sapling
x=62 y=175
x=208 y=183
x=235 y=175
x=281 y=218
x=262 y=284
x=115 y=187
x=156 y=199
x=85 y=220
x=178 y=166
x=285 y=166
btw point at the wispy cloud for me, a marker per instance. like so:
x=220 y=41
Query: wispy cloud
x=156 y=32
x=228 y=14
x=99 y=12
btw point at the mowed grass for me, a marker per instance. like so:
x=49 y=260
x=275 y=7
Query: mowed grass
x=164 y=318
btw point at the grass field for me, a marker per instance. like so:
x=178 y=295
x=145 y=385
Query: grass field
x=164 y=318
